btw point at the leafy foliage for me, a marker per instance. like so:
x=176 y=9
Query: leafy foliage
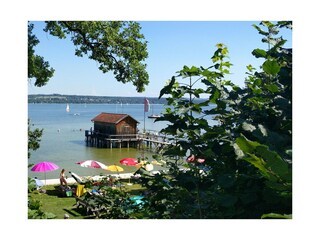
x=116 y=46
x=34 y=138
x=113 y=203
x=38 y=68
x=31 y=185
x=243 y=137
x=35 y=211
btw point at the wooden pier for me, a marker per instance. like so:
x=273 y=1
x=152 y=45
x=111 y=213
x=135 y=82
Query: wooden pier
x=148 y=139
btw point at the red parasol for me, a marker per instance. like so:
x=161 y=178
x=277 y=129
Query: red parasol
x=129 y=162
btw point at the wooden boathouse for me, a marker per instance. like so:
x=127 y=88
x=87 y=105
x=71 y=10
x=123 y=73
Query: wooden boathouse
x=113 y=130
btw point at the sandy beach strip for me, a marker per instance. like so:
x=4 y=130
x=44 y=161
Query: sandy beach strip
x=71 y=180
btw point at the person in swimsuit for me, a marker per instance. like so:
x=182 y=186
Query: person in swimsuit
x=63 y=180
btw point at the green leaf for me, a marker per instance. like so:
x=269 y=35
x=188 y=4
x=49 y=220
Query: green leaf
x=260 y=30
x=246 y=145
x=272 y=88
x=188 y=72
x=271 y=67
x=259 y=53
x=215 y=95
x=273 y=161
x=250 y=68
x=277 y=215
x=258 y=163
x=167 y=88
x=277 y=186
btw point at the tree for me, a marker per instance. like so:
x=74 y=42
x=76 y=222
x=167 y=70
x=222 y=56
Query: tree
x=34 y=138
x=238 y=140
x=117 y=46
x=38 y=68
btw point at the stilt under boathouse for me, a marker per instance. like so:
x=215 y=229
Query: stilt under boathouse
x=112 y=130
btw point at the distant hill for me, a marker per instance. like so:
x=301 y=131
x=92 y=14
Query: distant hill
x=58 y=98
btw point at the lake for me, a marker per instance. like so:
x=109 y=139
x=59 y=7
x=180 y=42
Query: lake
x=63 y=139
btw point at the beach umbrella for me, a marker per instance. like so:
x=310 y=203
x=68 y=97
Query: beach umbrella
x=129 y=162
x=92 y=164
x=44 y=167
x=114 y=168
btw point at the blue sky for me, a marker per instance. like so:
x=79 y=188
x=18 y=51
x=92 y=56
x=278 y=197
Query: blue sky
x=171 y=45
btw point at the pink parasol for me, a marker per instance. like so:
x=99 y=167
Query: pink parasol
x=92 y=164
x=44 y=167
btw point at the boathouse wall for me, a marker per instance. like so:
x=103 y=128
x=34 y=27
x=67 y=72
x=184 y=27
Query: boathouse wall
x=105 y=128
x=126 y=126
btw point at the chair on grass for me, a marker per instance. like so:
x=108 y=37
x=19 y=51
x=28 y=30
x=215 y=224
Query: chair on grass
x=38 y=182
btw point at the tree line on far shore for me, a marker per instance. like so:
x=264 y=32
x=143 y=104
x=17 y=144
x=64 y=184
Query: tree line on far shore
x=58 y=98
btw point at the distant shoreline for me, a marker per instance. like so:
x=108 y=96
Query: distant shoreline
x=87 y=99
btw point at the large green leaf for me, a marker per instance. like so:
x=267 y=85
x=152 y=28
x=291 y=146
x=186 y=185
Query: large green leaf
x=271 y=67
x=272 y=88
x=246 y=145
x=273 y=161
x=268 y=162
x=258 y=163
x=188 y=72
x=259 y=53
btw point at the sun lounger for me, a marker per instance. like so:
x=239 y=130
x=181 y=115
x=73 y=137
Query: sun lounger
x=77 y=178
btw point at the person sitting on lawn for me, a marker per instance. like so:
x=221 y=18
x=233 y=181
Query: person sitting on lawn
x=63 y=180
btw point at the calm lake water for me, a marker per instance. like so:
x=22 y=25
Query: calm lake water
x=63 y=139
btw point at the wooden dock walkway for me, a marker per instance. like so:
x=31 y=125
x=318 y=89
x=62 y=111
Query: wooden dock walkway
x=148 y=139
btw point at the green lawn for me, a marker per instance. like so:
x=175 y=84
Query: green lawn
x=53 y=203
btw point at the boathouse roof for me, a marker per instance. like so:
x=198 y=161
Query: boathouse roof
x=114 y=118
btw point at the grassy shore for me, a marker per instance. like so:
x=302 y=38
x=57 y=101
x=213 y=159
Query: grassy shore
x=53 y=203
